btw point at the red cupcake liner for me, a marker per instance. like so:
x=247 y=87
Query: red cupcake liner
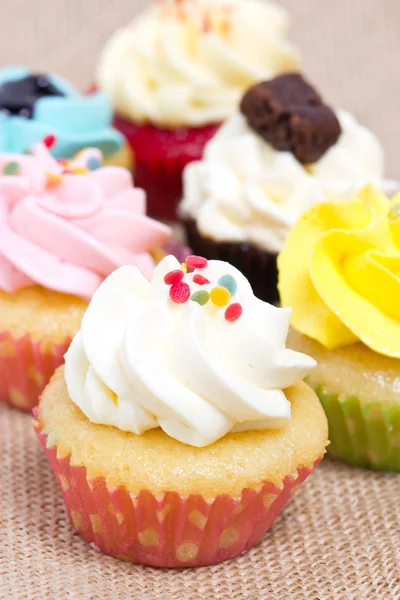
x=26 y=367
x=160 y=157
x=166 y=530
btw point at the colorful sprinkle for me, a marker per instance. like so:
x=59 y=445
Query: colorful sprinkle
x=79 y=170
x=201 y=297
x=220 y=296
x=394 y=212
x=233 y=312
x=49 y=140
x=11 y=168
x=173 y=277
x=196 y=262
x=184 y=268
x=200 y=280
x=179 y=293
x=228 y=282
x=93 y=163
x=53 y=178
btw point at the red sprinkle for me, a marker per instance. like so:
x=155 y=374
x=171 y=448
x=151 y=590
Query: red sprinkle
x=196 y=262
x=233 y=312
x=200 y=280
x=173 y=277
x=180 y=292
x=49 y=140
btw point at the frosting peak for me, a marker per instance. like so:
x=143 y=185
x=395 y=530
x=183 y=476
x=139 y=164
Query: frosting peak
x=188 y=63
x=66 y=225
x=340 y=270
x=177 y=353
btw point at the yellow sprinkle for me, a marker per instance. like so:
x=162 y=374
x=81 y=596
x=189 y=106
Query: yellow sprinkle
x=220 y=296
x=53 y=178
x=79 y=170
x=184 y=268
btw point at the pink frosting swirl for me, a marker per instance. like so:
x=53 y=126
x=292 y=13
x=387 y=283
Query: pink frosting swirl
x=66 y=227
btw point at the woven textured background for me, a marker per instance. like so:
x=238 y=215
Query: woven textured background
x=339 y=538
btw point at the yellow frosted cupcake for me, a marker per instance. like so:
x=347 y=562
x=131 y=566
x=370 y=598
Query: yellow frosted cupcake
x=64 y=226
x=180 y=425
x=340 y=271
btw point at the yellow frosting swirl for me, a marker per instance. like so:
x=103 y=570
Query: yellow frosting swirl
x=340 y=271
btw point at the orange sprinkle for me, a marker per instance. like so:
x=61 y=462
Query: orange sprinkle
x=53 y=178
x=220 y=296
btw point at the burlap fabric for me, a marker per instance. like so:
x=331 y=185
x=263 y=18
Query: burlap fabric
x=339 y=537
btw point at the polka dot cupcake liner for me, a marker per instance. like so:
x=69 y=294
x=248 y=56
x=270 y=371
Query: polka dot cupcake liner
x=166 y=530
x=26 y=367
x=366 y=434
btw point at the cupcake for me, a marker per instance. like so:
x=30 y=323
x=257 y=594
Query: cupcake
x=339 y=270
x=283 y=153
x=177 y=71
x=64 y=226
x=180 y=426
x=34 y=105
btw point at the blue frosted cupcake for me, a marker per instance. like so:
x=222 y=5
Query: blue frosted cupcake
x=34 y=105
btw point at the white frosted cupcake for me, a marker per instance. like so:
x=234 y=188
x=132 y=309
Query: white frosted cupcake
x=283 y=153
x=178 y=70
x=180 y=425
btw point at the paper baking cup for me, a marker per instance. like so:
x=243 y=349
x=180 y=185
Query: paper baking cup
x=166 y=530
x=256 y=264
x=160 y=157
x=363 y=434
x=26 y=367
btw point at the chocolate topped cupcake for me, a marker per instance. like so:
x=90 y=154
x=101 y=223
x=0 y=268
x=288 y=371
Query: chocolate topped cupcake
x=34 y=105
x=286 y=150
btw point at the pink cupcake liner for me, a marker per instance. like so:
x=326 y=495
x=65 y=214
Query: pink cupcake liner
x=166 y=530
x=26 y=367
x=160 y=157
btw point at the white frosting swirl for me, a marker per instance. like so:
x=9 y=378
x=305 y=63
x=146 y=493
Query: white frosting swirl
x=246 y=191
x=142 y=361
x=188 y=63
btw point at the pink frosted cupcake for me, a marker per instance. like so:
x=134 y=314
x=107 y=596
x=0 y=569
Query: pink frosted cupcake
x=201 y=425
x=64 y=226
x=177 y=71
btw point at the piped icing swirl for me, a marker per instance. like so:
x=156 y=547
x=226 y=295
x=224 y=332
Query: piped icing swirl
x=187 y=63
x=244 y=190
x=35 y=105
x=67 y=225
x=195 y=353
x=340 y=270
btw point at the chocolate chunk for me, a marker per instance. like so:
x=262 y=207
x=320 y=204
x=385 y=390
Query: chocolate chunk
x=290 y=115
x=18 y=96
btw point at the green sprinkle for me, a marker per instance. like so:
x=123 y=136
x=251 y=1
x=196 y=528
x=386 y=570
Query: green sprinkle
x=201 y=297
x=229 y=283
x=11 y=168
x=394 y=212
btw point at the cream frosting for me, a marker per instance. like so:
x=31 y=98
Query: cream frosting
x=142 y=361
x=244 y=190
x=189 y=62
x=66 y=227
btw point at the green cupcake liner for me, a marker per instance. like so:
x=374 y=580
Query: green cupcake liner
x=365 y=434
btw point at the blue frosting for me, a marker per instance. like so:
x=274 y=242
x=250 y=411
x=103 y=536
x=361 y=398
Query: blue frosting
x=77 y=121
